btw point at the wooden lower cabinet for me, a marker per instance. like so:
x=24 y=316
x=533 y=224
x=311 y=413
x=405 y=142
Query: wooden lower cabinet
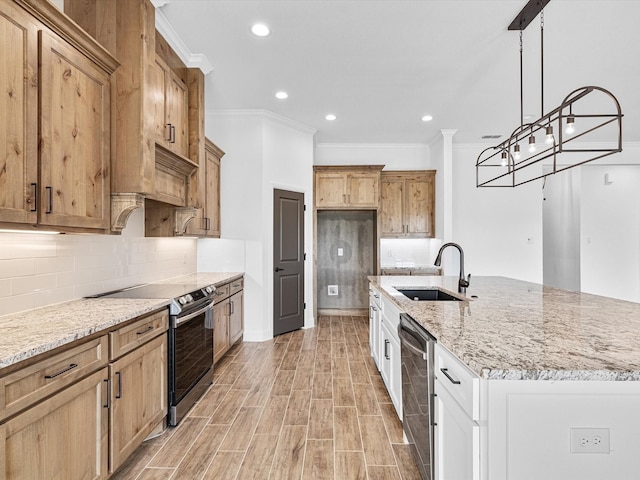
x=220 y=329
x=228 y=317
x=63 y=437
x=138 y=398
x=235 y=317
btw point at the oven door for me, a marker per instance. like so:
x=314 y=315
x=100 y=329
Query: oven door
x=190 y=359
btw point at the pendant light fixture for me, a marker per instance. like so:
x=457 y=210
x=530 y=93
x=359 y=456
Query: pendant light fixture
x=595 y=108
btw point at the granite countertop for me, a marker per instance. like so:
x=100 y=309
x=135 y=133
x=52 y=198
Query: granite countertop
x=517 y=330
x=27 y=334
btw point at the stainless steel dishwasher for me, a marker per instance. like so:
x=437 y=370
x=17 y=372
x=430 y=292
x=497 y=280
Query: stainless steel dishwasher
x=416 y=347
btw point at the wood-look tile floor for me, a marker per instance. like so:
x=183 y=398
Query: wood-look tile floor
x=309 y=404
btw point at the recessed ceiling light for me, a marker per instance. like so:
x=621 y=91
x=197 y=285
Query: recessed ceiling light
x=427 y=118
x=260 y=30
x=330 y=117
x=282 y=95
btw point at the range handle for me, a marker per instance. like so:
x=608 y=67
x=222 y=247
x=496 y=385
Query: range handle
x=408 y=342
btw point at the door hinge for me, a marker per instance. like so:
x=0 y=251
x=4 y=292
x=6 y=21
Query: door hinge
x=304 y=208
x=304 y=306
x=304 y=256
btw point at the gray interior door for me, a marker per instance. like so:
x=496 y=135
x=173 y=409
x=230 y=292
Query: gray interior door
x=288 y=261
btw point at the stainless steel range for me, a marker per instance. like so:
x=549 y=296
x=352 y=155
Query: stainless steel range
x=190 y=340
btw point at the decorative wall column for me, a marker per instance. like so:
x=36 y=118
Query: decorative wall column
x=447 y=181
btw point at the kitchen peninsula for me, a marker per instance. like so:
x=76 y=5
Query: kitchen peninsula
x=540 y=365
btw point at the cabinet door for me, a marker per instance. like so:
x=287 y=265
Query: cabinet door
x=177 y=112
x=220 y=329
x=363 y=190
x=65 y=436
x=138 y=397
x=457 y=440
x=18 y=115
x=236 y=324
x=331 y=190
x=419 y=206
x=391 y=215
x=158 y=80
x=75 y=137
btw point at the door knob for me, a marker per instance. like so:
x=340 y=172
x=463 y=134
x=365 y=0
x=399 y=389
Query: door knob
x=278 y=269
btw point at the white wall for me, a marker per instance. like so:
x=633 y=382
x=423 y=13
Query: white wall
x=393 y=156
x=610 y=231
x=39 y=270
x=262 y=152
x=500 y=229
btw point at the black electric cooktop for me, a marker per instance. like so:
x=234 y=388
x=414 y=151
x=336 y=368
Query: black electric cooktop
x=156 y=290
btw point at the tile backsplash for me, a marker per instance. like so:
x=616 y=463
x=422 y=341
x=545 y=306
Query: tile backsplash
x=408 y=252
x=39 y=270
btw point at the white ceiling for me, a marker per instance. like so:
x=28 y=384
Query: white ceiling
x=381 y=65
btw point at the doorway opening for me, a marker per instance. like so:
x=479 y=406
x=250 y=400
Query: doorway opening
x=346 y=255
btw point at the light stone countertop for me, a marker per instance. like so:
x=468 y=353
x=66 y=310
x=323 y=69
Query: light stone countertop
x=27 y=334
x=518 y=330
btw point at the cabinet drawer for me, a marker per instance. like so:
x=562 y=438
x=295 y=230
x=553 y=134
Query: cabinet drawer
x=33 y=383
x=460 y=382
x=222 y=292
x=236 y=286
x=374 y=297
x=390 y=315
x=132 y=335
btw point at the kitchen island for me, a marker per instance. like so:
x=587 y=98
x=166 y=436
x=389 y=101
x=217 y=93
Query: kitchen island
x=543 y=364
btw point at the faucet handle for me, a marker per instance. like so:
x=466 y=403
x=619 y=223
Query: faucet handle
x=465 y=282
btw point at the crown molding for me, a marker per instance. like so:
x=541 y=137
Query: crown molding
x=264 y=114
x=191 y=60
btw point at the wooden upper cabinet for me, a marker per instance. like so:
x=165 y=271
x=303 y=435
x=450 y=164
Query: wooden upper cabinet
x=347 y=187
x=18 y=115
x=207 y=221
x=58 y=85
x=159 y=112
x=170 y=108
x=391 y=214
x=407 y=204
x=75 y=137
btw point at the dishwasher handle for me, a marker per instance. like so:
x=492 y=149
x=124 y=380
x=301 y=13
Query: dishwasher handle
x=407 y=341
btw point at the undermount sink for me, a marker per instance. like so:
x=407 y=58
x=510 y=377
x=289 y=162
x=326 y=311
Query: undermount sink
x=432 y=295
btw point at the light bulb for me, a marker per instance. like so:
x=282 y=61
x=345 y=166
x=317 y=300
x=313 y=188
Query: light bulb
x=532 y=144
x=504 y=159
x=549 y=139
x=571 y=121
x=516 y=152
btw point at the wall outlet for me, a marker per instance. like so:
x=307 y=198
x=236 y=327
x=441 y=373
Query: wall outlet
x=332 y=290
x=340 y=252
x=590 y=440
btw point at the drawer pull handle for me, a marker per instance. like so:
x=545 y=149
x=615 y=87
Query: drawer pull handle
x=148 y=329
x=386 y=353
x=50 y=206
x=119 y=374
x=108 y=404
x=34 y=208
x=446 y=374
x=70 y=367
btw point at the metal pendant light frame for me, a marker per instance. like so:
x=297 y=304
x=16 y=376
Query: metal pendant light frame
x=490 y=168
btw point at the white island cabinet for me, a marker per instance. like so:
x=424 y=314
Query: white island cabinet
x=384 y=317
x=457 y=413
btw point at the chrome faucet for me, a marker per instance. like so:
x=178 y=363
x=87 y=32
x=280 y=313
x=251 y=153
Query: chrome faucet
x=463 y=283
